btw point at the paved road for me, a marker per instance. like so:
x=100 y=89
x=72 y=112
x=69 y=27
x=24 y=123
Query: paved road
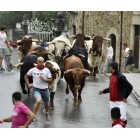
x=93 y=112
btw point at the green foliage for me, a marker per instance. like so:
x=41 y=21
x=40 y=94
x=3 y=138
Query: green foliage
x=44 y=15
x=10 y=18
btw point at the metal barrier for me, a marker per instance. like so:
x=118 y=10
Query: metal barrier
x=47 y=36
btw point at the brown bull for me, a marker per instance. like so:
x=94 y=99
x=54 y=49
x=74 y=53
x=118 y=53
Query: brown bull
x=75 y=76
x=95 y=53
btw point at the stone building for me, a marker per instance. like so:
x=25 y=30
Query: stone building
x=108 y=24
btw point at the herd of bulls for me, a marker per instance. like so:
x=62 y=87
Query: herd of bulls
x=63 y=58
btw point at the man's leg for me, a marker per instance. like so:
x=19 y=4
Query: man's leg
x=45 y=98
x=36 y=105
x=37 y=96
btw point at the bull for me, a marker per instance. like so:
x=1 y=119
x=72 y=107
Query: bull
x=26 y=64
x=56 y=74
x=79 y=40
x=75 y=76
x=59 y=47
x=25 y=45
x=95 y=47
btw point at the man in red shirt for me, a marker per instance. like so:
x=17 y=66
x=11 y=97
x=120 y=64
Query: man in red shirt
x=119 y=89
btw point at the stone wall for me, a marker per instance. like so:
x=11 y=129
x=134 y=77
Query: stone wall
x=105 y=23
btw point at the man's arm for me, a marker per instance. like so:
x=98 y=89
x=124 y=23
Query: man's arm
x=48 y=80
x=26 y=78
x=9 y=119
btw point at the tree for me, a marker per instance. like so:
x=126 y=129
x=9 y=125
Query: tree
x=10 y=18
x=47 y=16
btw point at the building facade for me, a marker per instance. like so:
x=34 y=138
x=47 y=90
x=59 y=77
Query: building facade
x=108 y=24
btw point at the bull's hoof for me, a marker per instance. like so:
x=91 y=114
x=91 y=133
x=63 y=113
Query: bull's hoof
x=75 y=104
x=25 y=92
x=79 y=100
x=67 y=92
x=52 y=105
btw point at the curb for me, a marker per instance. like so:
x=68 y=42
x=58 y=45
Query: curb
x=134 y=93
x=136 y=96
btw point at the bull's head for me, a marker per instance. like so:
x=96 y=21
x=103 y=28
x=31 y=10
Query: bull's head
x=60 y=48
x=53 y=70
x=18 y=66
x=79 y=76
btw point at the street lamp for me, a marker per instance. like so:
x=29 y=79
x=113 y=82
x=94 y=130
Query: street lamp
x=121 y=41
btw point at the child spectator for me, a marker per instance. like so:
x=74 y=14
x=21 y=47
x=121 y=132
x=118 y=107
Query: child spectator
x=8 y=54
x=115 y=115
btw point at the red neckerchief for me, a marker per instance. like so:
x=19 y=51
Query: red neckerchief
x=119 y=121
x=39 y=67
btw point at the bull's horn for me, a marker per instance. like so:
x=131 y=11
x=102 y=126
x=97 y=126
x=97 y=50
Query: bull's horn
x=19 y=64
x=88 y=36
x=27 y=36
x=48 y=42
x=32 y=52
x=34 y=64
x=67 y=71
x=72 y=36
x=107 y=39
x=18 y=41
x=65 y=56
x=34 y=40
x=82 y=55
x=68 y=46
x=50 y=54
x=53 y=42
x=86 y=71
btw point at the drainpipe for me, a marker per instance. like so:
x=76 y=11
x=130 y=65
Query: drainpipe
x=121 y=41
x=83 y=16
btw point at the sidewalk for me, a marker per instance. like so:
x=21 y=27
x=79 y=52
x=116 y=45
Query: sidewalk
x=134 y=79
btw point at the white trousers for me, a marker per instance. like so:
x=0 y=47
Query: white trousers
x=123 y=108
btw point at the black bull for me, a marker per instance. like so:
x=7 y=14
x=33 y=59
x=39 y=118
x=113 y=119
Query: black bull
x=29 y=61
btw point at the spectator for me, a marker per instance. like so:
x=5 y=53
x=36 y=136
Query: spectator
x=130 y=64
x=115 y=115
x=8 y=54
x=119 y=89
x=22 y=116
x=126 y=54
x=3 y=42
x=108 y=57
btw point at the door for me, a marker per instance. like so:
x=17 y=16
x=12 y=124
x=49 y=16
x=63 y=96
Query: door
x=136 y=45
x=113 y=44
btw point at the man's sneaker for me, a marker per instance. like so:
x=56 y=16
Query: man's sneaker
x=46 y=115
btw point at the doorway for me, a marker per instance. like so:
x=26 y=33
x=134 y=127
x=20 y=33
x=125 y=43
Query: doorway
x=113 y=44
x=136 y=45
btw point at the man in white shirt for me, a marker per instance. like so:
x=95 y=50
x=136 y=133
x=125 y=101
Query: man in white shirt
x=109 y=56
x=126 y=54
x=41 y=77
x=3 y=42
